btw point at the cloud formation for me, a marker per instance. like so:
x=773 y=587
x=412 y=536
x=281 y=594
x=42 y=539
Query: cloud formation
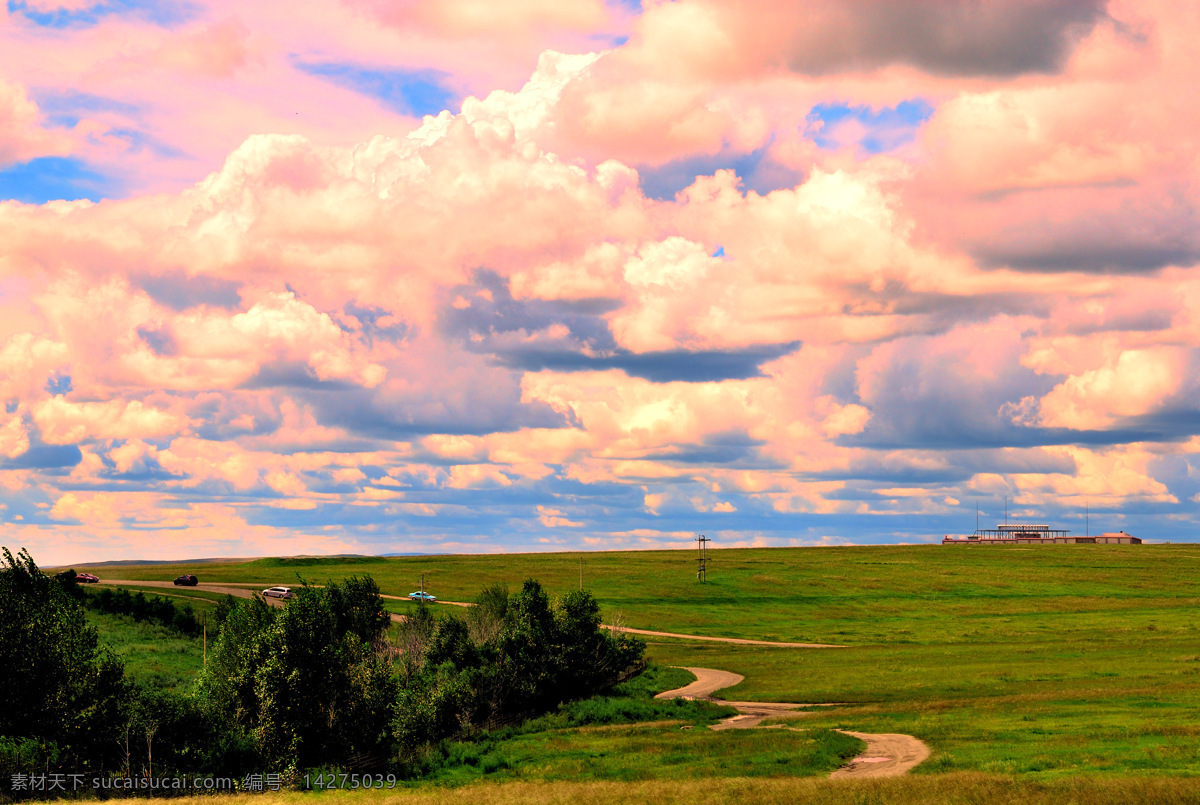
x=782 y=273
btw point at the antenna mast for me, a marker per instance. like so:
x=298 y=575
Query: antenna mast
x=701 y=558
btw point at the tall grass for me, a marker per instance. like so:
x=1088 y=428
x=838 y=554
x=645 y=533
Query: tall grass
x=964 y=788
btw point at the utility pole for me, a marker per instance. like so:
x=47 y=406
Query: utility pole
x=701 y=559
x=581 y=564
x=1087 y=524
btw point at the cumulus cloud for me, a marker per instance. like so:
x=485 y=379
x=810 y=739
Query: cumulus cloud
x=645 y=281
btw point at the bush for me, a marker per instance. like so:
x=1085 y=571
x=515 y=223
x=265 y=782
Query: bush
x=169 y=734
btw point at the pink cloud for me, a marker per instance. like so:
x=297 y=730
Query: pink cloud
x=336 y=321
x=22 y=134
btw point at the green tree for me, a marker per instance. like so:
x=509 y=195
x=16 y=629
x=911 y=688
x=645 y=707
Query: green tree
x=590 y=658
x=358 y=609
x=310 y=681
x=57 y=686
x=514 y=656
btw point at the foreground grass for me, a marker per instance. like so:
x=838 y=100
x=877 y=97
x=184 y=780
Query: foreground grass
x=629 y=735
x=955 y=789
x=654 y=751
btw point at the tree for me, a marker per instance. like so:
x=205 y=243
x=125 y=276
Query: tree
x=56 y=684
x=514 y=656
x=310 y=681
x=358 y=609
x=590 y=658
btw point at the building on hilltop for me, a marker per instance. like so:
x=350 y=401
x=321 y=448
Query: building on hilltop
x=1026 y=534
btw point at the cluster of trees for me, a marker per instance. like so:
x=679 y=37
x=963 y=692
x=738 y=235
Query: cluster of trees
x=152 y=609
x=511 y=657
x=317 y=683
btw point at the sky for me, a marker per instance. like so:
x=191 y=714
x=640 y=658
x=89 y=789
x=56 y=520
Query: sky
x=426 y=276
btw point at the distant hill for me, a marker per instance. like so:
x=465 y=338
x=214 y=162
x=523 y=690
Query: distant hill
x=302 y=559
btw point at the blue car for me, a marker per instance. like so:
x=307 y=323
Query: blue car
x=419 y=596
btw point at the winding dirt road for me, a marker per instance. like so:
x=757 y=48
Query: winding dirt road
x=736 y=640
x=887 y=755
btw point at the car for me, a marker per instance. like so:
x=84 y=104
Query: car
x=422 y=596
x=187 y=580
x=278 y=592
x=86 y=578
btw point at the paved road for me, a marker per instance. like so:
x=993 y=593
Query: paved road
x=887 y=755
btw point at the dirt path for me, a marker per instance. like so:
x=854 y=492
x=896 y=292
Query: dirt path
x=236 y=591
x=887 y=755
x=737 y=640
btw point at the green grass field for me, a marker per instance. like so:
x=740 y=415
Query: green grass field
x=153 y=655
x=1044 y=662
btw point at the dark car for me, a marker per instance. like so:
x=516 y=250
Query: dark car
x=187 y=580
x=86 y=578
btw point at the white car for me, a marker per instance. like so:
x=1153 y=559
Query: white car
x=278 y=592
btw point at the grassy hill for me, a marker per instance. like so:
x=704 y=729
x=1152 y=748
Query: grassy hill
x=1040 y=661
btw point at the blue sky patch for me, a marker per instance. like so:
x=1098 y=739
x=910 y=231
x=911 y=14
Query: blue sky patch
x=66 y=108
x=756 y=169
x=884 y=129
x=53 y=178
x=159 y=12
x=58 y=384
x=409 y=92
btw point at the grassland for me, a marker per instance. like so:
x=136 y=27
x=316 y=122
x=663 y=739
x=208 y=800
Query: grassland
x=1046 y=662
x=153 y=655
x=595 y=740
x=960 y=788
